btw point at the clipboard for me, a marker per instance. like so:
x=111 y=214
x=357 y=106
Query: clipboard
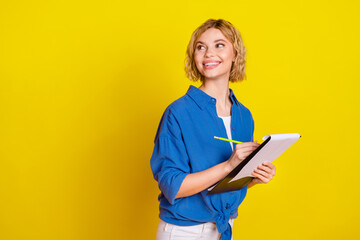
x=272 y=147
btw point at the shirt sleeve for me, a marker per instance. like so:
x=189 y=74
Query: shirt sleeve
x=252 y=127
x=169 y=161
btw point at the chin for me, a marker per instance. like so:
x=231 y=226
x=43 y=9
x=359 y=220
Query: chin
x=214 y=76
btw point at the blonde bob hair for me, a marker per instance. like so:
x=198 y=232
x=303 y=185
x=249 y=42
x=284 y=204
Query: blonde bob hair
x=237 y=72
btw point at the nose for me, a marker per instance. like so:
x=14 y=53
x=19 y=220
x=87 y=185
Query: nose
x=209 y=52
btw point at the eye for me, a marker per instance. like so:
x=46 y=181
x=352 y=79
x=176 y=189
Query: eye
x=200 y=47
x=220 y=45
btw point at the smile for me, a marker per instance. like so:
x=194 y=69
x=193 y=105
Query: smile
x=211 y=65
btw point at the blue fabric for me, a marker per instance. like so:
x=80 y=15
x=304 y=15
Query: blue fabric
x=184 y=144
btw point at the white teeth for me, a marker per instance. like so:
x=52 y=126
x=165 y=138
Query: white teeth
x=211 y=64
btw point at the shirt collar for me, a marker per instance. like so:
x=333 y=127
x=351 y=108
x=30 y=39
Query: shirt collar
x=202 y=99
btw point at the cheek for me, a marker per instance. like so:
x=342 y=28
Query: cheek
x=197 y=57
x=198 y=61
x=229 y=56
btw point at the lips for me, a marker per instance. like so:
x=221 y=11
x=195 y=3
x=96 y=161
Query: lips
x=211 y=64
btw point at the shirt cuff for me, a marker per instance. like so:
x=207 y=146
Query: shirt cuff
x=170 y=185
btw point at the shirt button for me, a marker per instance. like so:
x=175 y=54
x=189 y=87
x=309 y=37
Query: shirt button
x=233 y=128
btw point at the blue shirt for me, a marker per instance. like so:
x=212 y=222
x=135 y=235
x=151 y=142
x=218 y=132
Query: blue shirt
x=184 y=144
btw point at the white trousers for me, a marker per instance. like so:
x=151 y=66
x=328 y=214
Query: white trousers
x=167 y=231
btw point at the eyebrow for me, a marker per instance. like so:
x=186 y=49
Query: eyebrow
x=217 y=40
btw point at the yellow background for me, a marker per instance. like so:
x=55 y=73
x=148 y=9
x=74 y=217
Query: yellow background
x=83 y=85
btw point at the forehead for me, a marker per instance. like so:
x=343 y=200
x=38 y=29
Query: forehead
x=211 y=35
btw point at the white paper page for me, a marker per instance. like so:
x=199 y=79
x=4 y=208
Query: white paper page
x=272 y=150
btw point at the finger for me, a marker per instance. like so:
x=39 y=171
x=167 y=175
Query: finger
x=246 y=144
x=266 y=169
x=245 y=149
x=256 y=179
x=270 y=166
x=243 y=154
x=262 y=178
x=264 y=173
x=261 y=172
x=263 y=167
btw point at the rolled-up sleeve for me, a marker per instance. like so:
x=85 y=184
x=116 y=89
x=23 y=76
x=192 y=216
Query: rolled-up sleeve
x=169 y=161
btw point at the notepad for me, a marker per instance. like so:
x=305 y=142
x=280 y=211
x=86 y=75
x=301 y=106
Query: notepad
x=272 y=147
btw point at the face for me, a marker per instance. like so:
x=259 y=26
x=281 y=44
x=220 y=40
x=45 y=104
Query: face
x=214 y=55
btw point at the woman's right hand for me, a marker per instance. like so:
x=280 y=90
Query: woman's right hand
x=196 y=182
x=241 y=151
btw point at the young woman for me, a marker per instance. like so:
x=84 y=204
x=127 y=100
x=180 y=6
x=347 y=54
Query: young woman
x=187 y=160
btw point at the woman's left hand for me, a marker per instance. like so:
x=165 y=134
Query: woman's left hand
x=263 y=173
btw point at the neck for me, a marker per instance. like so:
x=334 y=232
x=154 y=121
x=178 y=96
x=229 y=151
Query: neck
x=217 y=89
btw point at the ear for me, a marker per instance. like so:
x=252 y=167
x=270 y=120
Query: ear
x=235 y=55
